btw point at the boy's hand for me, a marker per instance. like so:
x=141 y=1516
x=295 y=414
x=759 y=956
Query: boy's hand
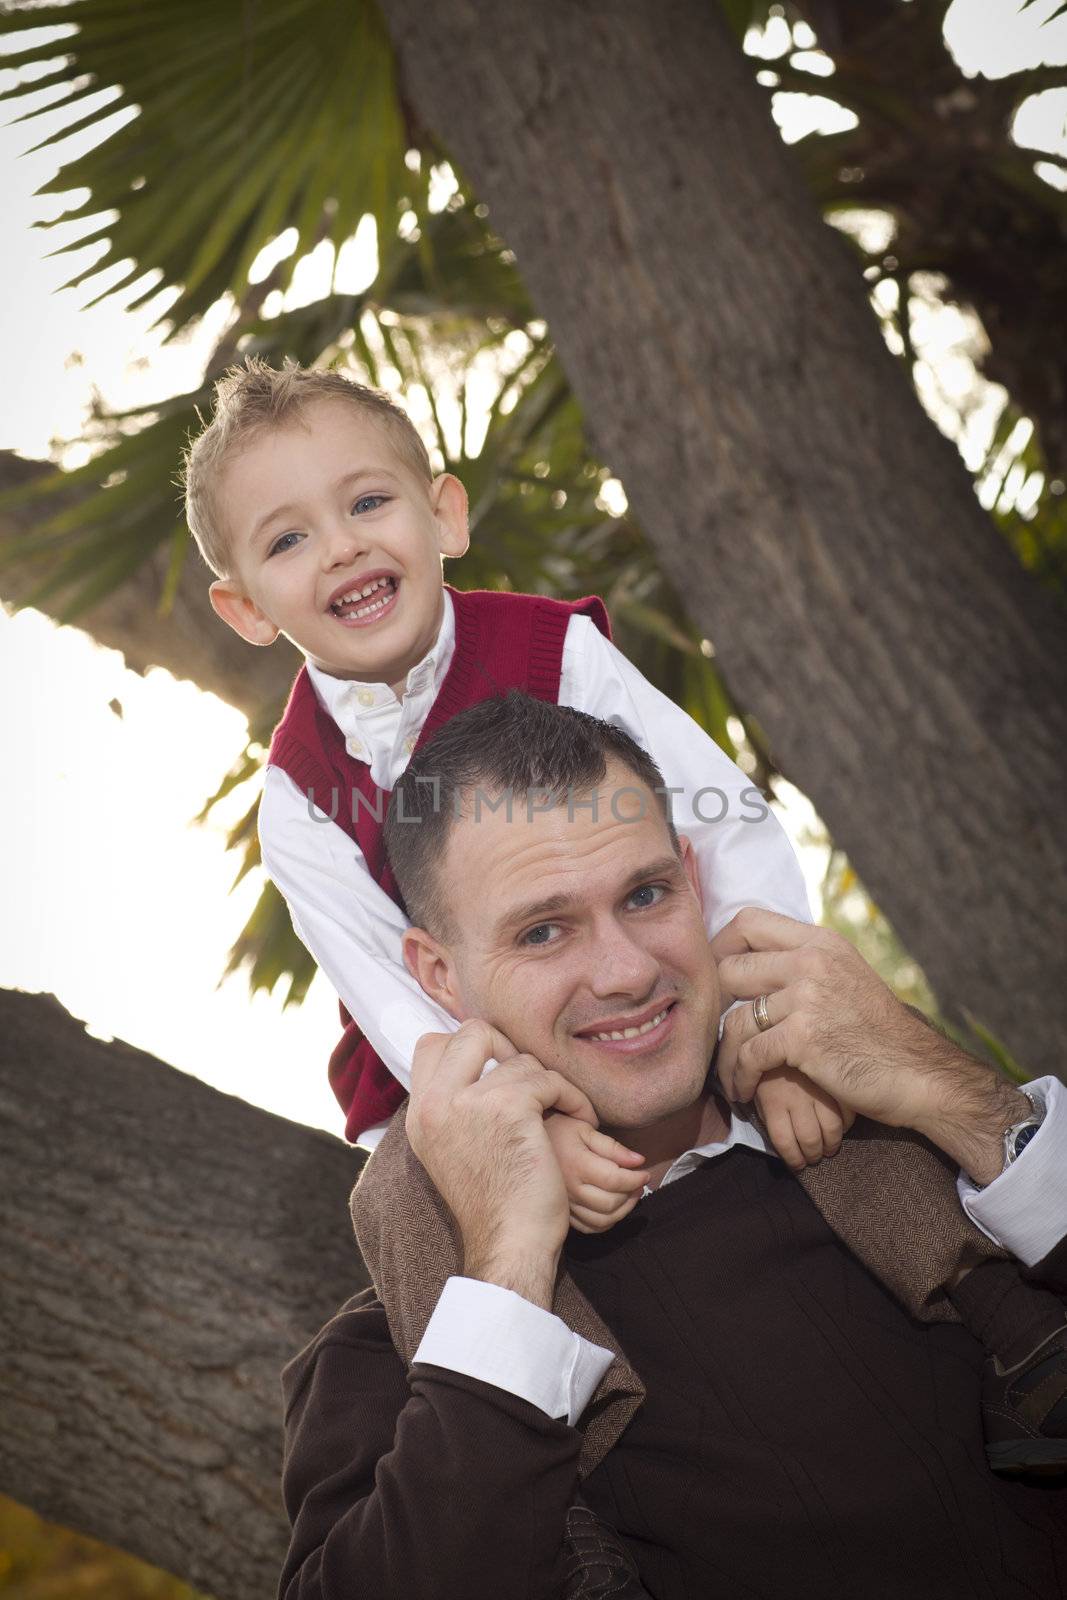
x=604 y=1179
x=803 y=1122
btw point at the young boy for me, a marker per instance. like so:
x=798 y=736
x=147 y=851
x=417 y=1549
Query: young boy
x=314 y=502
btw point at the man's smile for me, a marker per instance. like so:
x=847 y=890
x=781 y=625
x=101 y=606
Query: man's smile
x=633 y=1035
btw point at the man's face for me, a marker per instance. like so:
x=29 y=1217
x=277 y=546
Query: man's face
x=315 y=512
x=581 y=928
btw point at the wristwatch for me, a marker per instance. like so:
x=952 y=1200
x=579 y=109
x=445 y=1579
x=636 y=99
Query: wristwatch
x=1018 y=1136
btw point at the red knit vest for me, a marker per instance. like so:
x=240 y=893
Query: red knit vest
x=503 y=641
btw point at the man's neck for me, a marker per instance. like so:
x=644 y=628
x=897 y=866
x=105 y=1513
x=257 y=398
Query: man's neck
x=705 y=1121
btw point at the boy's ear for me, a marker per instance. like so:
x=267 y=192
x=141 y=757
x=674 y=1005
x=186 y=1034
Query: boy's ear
x=241 y=612
x=448 y=498
x=430 y=966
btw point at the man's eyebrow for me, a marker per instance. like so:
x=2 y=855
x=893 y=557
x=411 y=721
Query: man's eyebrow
x=535 y=910
x=347 y=479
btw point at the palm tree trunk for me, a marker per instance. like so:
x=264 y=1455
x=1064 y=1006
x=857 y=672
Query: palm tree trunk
x=167 y=1249
x=911 y=677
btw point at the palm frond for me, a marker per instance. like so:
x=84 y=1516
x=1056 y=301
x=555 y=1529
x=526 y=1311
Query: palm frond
x=243 y=121
x=271 y=951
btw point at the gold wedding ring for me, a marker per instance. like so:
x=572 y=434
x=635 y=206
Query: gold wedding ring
x=759 y=1013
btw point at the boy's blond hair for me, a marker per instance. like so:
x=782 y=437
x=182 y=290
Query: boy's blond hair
x=255 y=396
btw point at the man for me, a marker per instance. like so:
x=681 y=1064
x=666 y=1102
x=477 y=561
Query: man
x=800 y=1433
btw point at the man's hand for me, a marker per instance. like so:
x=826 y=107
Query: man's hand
x=803 y=1122
x=832 y=1018
x=483 y=1144
x=604 y=1178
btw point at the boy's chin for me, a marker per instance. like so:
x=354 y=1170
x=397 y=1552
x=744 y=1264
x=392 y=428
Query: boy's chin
x=352 y=665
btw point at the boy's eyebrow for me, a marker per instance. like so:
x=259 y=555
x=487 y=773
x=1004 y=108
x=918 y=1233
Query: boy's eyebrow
x=365 y=472
x=534 y=910
x=269 y=517
x=347 y=478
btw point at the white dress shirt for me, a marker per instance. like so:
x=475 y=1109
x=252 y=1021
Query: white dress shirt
x=490 y=1333
x=353 y=928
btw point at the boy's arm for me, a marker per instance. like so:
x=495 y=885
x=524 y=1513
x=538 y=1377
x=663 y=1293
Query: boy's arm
x=349 y=924
x=744 y=856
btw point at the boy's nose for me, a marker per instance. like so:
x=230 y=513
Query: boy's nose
x=342 y=546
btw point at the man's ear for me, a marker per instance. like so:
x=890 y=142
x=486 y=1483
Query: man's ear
x=431 y=966
x=240 y=611
x=448 y=498
x=692 y=869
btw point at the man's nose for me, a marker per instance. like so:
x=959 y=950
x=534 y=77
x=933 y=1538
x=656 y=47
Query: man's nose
x=619 y=963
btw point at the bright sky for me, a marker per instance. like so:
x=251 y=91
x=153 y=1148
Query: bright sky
x=113 y=900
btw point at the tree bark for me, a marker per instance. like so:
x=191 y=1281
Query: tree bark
x=189 y=640
x=167 y=1249
x=911 y=677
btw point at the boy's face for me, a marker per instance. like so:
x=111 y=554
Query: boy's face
x=315 y=512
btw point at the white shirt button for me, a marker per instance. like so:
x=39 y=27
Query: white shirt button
x=409 y=745
x=365 y=697
x=354 y=747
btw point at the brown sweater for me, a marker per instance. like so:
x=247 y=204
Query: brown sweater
x=800 y=1437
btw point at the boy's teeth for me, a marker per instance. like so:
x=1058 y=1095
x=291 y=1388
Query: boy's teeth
x=345 y=605
x=632 y=1033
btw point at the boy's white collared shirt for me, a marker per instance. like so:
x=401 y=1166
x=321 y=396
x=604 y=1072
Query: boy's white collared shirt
x=378 y=728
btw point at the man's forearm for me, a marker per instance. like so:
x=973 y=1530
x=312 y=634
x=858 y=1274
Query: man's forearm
x=971 y=1106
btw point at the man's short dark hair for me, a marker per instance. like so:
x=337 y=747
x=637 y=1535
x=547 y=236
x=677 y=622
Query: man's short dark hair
x=511 y=745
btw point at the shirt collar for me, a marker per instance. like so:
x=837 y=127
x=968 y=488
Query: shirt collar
x=344 y=698
x=739 y=1132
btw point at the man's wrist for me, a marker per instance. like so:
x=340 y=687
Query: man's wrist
x=972 y=1109
x=529 y=1271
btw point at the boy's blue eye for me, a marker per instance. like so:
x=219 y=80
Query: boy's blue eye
x=280 y=543
x=371 y=500
x=656 y=889
x=542 y=927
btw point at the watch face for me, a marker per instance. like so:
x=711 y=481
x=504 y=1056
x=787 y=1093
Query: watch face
x=1022 y=1139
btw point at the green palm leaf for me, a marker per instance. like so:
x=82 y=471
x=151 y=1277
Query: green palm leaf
x=242 y=121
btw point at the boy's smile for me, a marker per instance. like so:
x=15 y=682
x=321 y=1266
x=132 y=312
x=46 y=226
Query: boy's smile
x=337 y=543
x=366 y=600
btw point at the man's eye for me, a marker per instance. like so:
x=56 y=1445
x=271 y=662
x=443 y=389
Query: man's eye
x=368 y=502
x=542 y=934
x=656 y=890
x=282 y=543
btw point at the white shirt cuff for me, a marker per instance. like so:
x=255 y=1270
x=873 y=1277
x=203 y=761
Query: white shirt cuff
x=495 y=1335
x=1025 y=1209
